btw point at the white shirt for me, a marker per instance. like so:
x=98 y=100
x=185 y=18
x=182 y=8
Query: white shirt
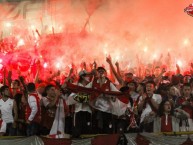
x=134 y=96
x=7 y=110
x=33 y=105
x=119 y=107
x=78 y=106
x=157 y=98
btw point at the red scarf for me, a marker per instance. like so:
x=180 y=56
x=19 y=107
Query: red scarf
x=96 y=92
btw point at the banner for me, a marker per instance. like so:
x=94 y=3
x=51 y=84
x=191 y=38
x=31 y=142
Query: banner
x=131 y=138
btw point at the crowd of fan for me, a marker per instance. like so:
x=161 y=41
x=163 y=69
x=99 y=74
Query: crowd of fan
x=152 y=100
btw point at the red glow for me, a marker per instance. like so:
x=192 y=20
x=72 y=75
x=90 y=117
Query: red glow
x=179 y=62
x=45 y=65
x=58 y=65
x=8 y=24
x=94 y=29
x=20 y=42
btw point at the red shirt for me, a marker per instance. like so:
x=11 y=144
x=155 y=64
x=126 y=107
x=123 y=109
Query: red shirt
x=166 y=123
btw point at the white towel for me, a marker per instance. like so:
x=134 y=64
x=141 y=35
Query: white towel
x=59 y=120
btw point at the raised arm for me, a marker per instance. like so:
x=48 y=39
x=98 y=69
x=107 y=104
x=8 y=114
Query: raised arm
x=67 y=79
x=25 y=92
x=118 y=68
x=83 y=66
x=191 y=68
x=54 y=75
x=177 y=69
x=4 y=75
x=158 y=79
x=120 y=80
x=93 y=67
x=111 y=77
x=37 y=73
x=9 y=77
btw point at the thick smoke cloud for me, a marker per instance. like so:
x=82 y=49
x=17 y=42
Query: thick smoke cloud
x=90 y=30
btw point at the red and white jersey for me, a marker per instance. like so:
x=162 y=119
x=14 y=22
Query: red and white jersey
x=33 y=112
x=103 y=102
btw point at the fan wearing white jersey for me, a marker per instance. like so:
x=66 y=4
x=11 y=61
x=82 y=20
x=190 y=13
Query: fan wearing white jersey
x=8 y=110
